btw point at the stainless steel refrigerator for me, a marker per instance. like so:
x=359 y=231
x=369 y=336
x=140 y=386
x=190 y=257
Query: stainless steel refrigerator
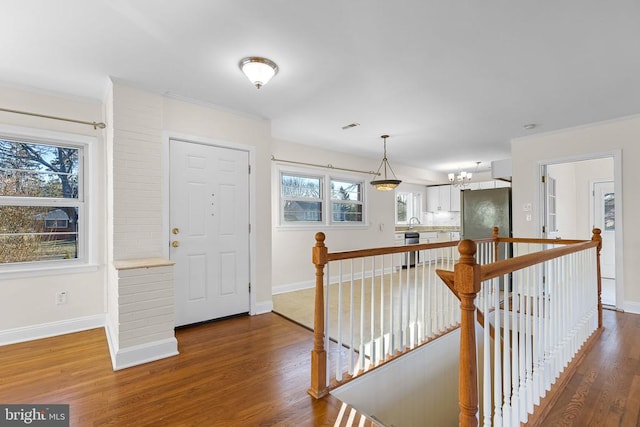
x=481 y=211
x=484 y=209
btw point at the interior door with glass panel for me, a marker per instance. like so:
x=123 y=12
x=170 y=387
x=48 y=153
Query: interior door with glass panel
x=604 y=219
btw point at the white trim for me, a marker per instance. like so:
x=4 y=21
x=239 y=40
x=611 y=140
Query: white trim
x=138 y=354
x=262 y=307
x=52 y=329
x=87 y=205
x=144 y=353
x=291 y=287
x=631 y=307
x=616 y=155
x=168 y=135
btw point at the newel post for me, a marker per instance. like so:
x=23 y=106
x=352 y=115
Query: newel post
x=598 y=238
x=319 y=354
x=467 y=283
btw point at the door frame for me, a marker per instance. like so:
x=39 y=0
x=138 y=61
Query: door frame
x=616 y=156
x=166 y=236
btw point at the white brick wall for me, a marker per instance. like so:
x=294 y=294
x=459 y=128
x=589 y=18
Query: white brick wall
x=145 y=305
x=137 y=173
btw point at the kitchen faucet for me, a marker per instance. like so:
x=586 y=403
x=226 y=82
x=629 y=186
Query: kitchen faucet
x=411 y=219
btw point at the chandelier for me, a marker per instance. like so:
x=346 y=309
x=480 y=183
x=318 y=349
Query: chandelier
x=385 y=184
x=462 y=179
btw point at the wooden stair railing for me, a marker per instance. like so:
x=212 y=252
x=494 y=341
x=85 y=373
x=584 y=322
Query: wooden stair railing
x=465 y=283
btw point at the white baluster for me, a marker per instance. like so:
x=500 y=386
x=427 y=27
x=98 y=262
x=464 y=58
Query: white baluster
x=486 y=376
x=506 y=376
x=339 y=314
x=372 y=341
x=362 y=319
x=351 y=314
x=497 y=356
x=326 y=323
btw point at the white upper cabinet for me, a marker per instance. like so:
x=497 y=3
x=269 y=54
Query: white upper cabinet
x=439 y=198
x=455 y=199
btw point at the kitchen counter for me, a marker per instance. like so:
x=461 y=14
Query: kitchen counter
x=419 y=228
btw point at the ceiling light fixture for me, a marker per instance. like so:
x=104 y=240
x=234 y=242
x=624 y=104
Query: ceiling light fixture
x=529 y=126
x=385 y=184
x=258 y=70
x=463 y=178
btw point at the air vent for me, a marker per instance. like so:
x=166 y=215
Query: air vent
x=352 y=125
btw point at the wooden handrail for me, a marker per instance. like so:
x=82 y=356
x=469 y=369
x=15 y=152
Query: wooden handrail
x=539 y=241
x=500 y=268
x=386 y=250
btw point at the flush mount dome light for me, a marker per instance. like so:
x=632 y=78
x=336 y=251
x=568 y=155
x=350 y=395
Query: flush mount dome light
x=258 y=70
x=385 y=184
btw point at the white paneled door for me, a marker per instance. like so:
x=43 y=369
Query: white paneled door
x=209 y=219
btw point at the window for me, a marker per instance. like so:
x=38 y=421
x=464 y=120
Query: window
x=408 y=205
x=41 y=201
x=346 y=201
x=304 y=199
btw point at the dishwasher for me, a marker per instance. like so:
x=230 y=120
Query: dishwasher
x=410 y=258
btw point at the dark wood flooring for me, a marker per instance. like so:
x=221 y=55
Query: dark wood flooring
x=254 y=371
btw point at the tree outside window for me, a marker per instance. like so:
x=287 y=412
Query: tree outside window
x=39 y=201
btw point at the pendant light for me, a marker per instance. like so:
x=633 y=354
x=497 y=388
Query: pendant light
x=385 y=184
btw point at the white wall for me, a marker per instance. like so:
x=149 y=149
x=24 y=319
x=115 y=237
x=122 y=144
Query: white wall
x=419 y=389
x=594 y=140
x=27 y=306
x=207 y=122
x=574 y=184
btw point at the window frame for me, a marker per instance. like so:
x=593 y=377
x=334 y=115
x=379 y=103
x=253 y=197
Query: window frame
x=326 y=178
x=414 y=201
x=86 y=240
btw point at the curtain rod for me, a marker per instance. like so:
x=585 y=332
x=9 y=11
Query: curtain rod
x=329 y=166
x=96 y=125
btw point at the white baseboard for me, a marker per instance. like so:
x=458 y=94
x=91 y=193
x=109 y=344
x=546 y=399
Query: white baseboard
x=46 y=330
x=290 y=287
x=122 y=358
x=262 y=307
x=631 y=307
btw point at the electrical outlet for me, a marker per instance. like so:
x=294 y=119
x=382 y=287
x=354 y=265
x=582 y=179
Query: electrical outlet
x=528 y=217
x=61 y=297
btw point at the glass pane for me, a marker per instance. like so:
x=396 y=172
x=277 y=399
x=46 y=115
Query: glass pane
x=38 y=233
x=401 y=208
x=36 y=170
x=296 y=211
x=300 y=187
x=343 y=190
x=346 y=212
x=609 y=212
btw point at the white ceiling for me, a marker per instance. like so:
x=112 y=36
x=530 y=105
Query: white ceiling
x=451 y=82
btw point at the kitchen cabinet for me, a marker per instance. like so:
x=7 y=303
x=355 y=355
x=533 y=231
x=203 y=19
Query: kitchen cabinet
x=455 y=199
x=428 y=236
x=439 y=198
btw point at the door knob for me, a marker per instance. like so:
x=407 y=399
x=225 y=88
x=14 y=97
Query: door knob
x=175 y=230
x=175 y=243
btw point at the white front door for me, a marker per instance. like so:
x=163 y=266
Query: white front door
x=604 y=219
x=209 y=220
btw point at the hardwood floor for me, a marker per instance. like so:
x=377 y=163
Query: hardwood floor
x=249 y=371
x=605 y=390
x=254 y=371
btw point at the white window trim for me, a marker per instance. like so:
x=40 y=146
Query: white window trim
x=87 y=245
x=327 y=218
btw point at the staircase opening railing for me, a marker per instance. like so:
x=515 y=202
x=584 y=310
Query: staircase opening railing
x=537 y=308
x=372 y=305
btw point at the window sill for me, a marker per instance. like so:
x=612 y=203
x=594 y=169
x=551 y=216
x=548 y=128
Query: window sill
x=322 y=227
x=20 y=272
